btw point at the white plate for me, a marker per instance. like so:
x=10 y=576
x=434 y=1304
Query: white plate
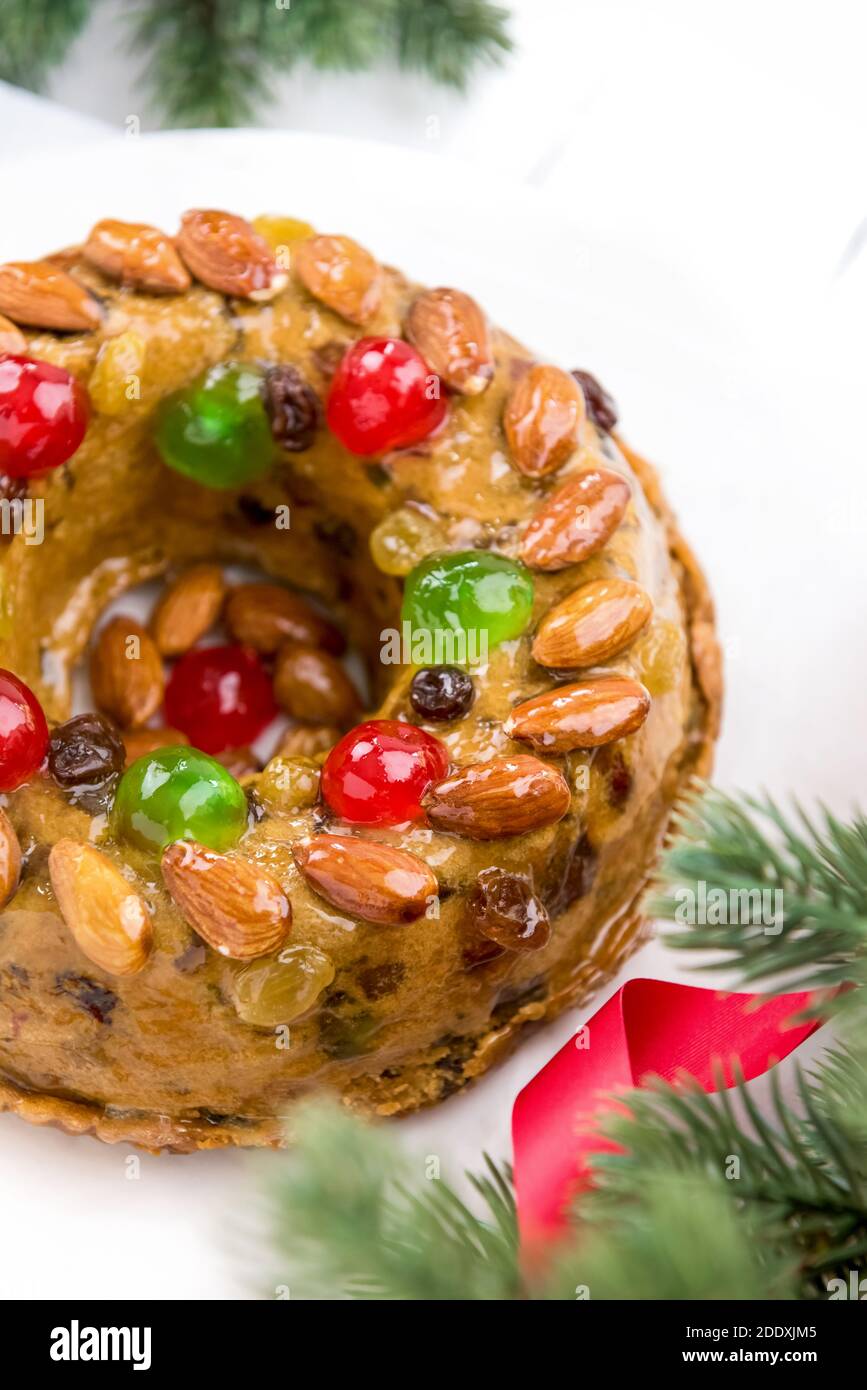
x=758 y=463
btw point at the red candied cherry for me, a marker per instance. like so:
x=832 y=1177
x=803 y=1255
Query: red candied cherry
x=383 y=397
x=43 y=415
x=23 y=732
x=378 y=773
x=220 y=697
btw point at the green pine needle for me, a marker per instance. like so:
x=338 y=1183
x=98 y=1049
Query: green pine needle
x=748 y=847
x=213 y=62
x=355 y=1219
x=35 y=35
x=447 y=38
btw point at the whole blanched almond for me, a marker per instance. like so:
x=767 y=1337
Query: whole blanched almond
x=341 y=274
x=109 y=920
x=264 y=616
x=10 y=859
x=187 y=608
x=505 y=796
x=450 y=331
x=41 y=295
x=11 y=337
x=236 y=906
x=136 y=254
x=228 y=254
x=543 y=420
x=577 y=520
x=592 y=624
x=126 y=673
x=310 y=684
x=137 y=742
x=583 y=715
x=376 y=882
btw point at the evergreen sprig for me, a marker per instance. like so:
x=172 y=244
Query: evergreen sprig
x=705 y=1196
x=35 y=34
x=749 y=846
x=212 y=62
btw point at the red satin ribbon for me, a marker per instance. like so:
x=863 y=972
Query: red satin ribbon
x=648 y=1028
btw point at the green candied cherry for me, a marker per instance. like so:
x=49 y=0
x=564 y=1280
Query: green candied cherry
x=179 y=793
x=480 y=597
x=217 y=431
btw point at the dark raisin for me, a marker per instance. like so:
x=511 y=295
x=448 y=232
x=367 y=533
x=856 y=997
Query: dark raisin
x=618 y=779
x=95 y=999
x=600 y=406
x=441 y=692
x=339 y=536
x=85 y=751
x=572 y=878
x=12 y=490
x=255 y=511
x=378 y=981
x=328 y=357
x=345 y=1035
x=513 y=997
x=480 y=950
x=505 y=909
x=293 y=408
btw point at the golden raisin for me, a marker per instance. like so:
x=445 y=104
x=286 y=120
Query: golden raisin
x=288 y=784
x=279 y=989
x=115 y=382
x=403 y=539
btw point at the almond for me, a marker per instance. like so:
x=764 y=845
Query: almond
x=504 y=796
x=227 y=254
x=311 y=685
x=584 y=715
x=264 y=616
x=10 y=859
x=126 y=673
x=543 y=420
x=136 y=254
x=577 y=520
x=187 y=608
x=451 y=333
x=42 y=295
x=107 y=917
x=341 y=274
x=140 y=741
x=376 y=882
x=592 y=624
x=239 y=908
x=11 y=338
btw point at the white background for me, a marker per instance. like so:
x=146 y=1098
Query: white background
x=676 y=194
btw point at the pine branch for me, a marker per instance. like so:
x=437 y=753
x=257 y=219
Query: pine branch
x=800 y=1182
x=353 y=1220
x=34 y=35
x=678 y=1237
x=820 y=873
x=338 y=34
x=213 y=62
x=447 y=38
x=204 y=62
